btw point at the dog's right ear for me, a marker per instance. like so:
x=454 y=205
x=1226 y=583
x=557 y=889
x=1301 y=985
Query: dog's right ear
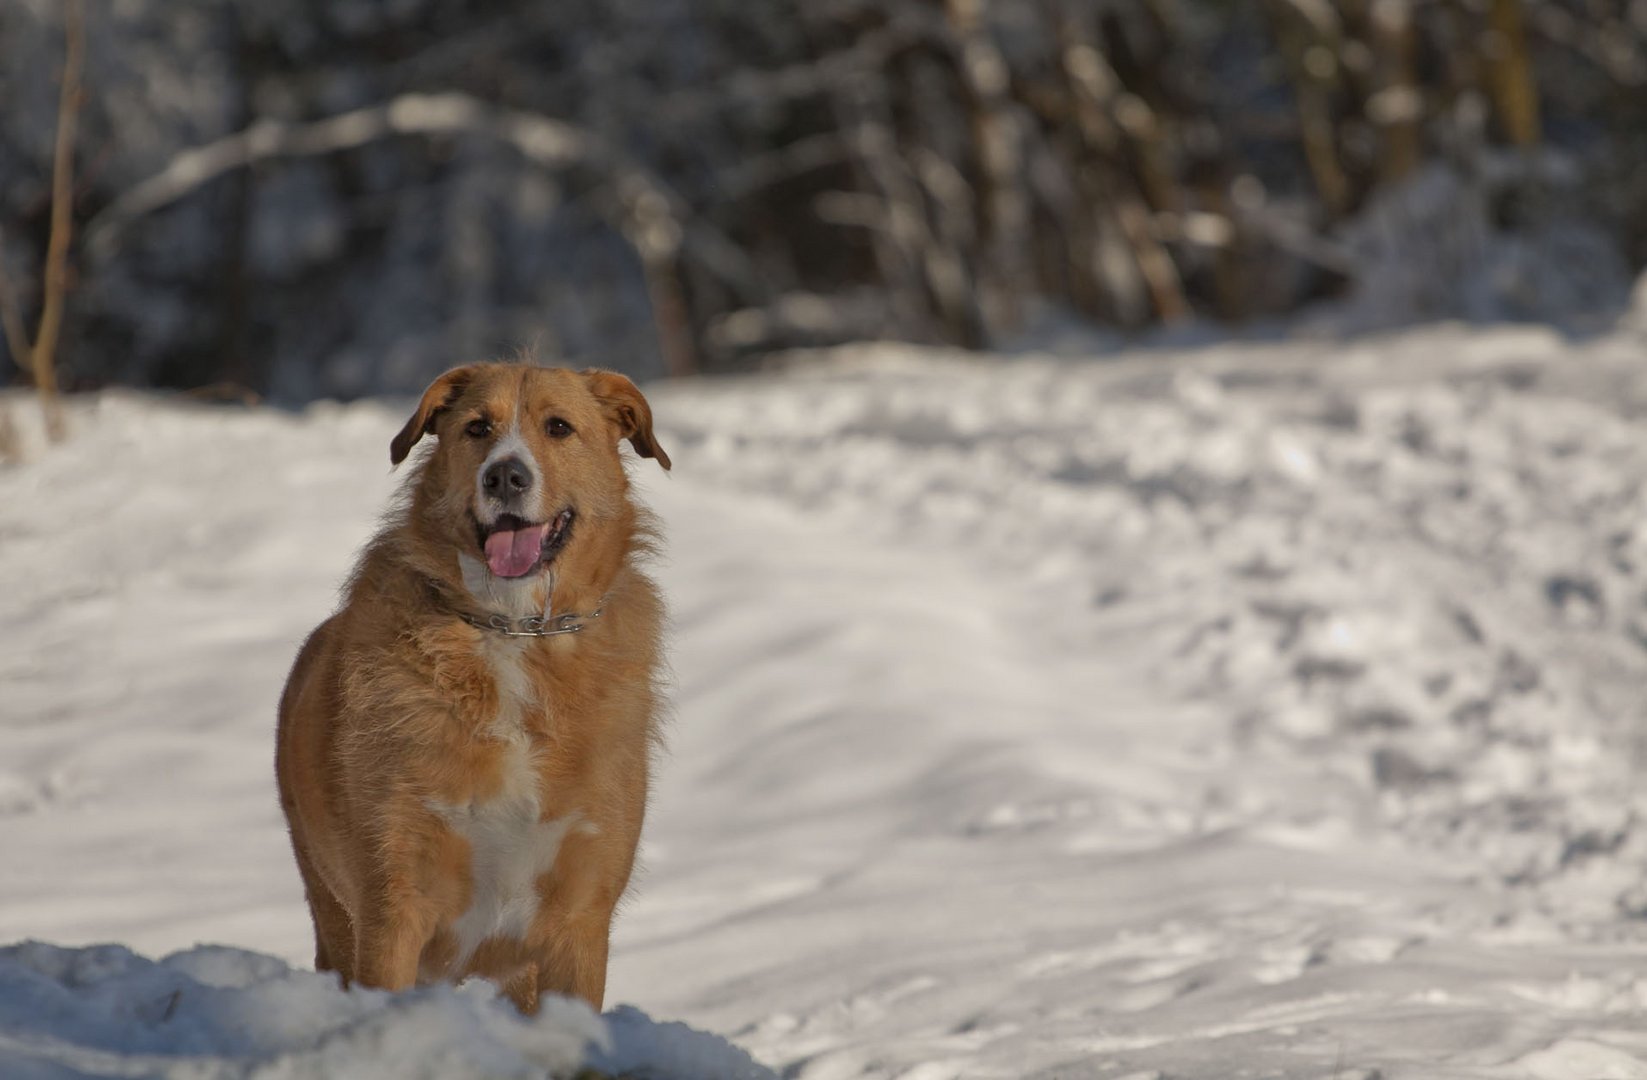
x=440 y=395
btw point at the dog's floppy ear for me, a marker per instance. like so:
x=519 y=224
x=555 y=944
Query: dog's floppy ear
x=623 y=404
x=441 y=393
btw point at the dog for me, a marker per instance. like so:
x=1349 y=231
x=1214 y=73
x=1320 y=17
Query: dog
x=464 y=748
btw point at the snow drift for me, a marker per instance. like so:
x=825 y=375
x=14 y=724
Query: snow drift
x=221 y=1013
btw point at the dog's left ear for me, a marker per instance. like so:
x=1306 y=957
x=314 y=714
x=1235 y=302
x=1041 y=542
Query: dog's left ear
x=440 y=395
x=624 y=405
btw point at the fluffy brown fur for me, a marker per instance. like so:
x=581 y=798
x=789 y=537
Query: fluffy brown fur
x=400 y=721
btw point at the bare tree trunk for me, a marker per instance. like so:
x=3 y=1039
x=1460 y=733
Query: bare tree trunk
x=1094 y=90
x=239 y=202
x=1510 y=73
x=997 y=133
x=1396 y=107
x=904 y=222
x=44 y=353
x=933 y=143
x=11 y=319
x=672 y=316
x=11 y=439
x=1309 y=35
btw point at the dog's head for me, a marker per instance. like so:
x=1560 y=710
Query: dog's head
x=527 y=457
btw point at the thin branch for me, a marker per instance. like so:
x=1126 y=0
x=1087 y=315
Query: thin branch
x=11 y=319
x=654 y=219
x=62 y=217
x=541 y=140
x=547 y=143
x=11 y=439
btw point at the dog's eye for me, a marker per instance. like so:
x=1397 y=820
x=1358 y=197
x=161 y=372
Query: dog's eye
x=558 y=428
x=478 y=429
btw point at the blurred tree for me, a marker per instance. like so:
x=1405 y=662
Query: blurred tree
x=305 y=197
x=39 y=355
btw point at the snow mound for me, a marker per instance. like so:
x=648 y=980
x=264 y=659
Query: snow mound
x=213 y=1012
x=638 y=1044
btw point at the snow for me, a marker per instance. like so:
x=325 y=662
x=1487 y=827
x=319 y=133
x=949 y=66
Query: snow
x=220 y=1012
x=1263 y=710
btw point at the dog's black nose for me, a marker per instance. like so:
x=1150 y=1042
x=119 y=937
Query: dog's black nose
x=506 y=477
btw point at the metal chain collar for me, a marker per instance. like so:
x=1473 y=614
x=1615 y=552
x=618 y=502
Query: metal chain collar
x=534 y=625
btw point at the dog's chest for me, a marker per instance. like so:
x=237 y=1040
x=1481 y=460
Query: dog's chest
x=511 y=845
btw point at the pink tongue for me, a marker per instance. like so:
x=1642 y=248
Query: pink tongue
x=512 y=552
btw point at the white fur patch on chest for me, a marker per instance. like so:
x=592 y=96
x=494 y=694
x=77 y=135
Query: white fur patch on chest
x=510 y=846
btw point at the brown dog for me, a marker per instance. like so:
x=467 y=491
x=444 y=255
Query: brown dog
x=464 y=747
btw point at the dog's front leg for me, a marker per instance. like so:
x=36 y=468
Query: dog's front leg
x=523 y=990
x=576 y=959
x=388 y=942
x=397 y=915
x=590 y=941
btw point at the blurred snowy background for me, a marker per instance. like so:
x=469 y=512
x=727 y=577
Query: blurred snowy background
x=1159 y=571
x=686 y=185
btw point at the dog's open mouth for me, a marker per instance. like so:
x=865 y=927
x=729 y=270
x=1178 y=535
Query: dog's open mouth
x=515 y=547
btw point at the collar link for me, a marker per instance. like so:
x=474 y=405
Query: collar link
x=531 y=626
x=534 y=625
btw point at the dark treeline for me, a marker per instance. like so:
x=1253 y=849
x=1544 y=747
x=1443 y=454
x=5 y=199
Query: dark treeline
x=305 y=197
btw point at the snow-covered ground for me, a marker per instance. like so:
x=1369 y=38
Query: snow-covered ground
x=1262 y=711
